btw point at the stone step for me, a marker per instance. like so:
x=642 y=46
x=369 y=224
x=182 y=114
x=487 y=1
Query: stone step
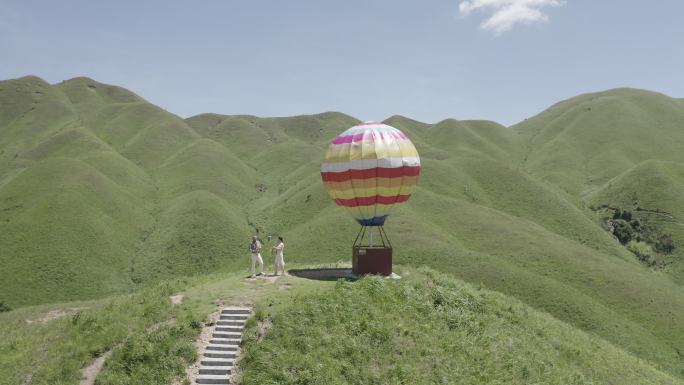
x=235 y=310
x=218 y=357
x=231 y=323
x=225 y=341
x=230 y=329
x=234 y=317
x=216 y=370
x=227 y=335
x=212 y=379
x=208 y=361
x=222 y=348
x=220 y=354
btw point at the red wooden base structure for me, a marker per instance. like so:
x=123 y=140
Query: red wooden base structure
x=369 y=258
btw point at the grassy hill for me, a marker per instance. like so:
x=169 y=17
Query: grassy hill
x=425 y=328
x=429 y=329
x=102 y=192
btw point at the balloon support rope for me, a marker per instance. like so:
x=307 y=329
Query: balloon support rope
x=366 y=233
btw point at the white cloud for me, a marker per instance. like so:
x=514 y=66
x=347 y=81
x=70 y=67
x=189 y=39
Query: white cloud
x=507 y=13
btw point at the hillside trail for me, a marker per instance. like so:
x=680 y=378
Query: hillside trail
x=90 y=372
x=219 y=344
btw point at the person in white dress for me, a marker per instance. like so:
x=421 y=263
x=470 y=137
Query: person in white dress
x=255 y=250
x=279 y=260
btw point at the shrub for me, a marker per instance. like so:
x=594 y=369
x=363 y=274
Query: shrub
x=665 y=243
x=642 y=250
x=623 y=231
x=622 y=214
x=4 y=307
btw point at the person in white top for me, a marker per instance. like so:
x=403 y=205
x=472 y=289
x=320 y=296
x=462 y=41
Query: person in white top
x=279 y=261
x=255 y=250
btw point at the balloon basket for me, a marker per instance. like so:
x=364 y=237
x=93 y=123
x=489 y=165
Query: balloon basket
x=370 y=258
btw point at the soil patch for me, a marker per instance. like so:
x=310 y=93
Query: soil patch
x=263 y=328
x=177 y=299
x=54 y=314
x=285 y=286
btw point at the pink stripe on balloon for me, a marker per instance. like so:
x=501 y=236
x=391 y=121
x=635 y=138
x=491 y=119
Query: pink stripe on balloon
x=369 y=138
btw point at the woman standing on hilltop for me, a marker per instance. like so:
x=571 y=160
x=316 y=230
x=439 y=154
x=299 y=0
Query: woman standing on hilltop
x=279 y=260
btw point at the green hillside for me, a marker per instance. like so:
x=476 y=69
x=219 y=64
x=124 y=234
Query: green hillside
x=424 y=328
x=102 y=192
x=429 y=330
x=620 y=148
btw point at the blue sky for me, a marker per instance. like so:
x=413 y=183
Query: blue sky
x=503 y=60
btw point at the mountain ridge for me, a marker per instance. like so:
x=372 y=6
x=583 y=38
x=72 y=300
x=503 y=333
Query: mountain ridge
x=151 y=196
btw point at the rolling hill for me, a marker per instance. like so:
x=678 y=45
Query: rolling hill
x=102 y=192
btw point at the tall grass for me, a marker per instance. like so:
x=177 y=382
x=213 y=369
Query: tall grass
x=432 y=330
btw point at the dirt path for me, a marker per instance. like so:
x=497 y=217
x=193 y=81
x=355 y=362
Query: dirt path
x=91 y=371
x=201 y=342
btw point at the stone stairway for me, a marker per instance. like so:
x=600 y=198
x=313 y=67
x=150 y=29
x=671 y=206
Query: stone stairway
x=219 y=356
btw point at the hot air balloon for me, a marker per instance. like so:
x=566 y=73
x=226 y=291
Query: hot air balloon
x=369 y=169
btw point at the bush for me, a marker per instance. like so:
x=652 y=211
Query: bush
x=642 y=250
x=623 y=231
x=665 y=243
x=4 y=307
x=620 y=214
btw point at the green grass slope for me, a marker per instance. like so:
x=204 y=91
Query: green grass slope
x=581 y=143
x=88 y=173
x=619 y=148
x=62 y=222
x=196 y=233
x=430 y=330
x=652 y=191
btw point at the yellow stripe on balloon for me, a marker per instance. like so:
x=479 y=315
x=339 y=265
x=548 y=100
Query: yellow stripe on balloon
x=340 y=153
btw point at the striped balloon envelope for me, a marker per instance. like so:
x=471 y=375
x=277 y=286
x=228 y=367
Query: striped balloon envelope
x=369 y=169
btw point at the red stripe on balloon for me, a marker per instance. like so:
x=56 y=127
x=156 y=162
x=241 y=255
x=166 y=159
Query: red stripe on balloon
x=369 y=201
x=378 y=172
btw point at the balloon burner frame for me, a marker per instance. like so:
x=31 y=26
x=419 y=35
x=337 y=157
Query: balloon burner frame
x=369 y=257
